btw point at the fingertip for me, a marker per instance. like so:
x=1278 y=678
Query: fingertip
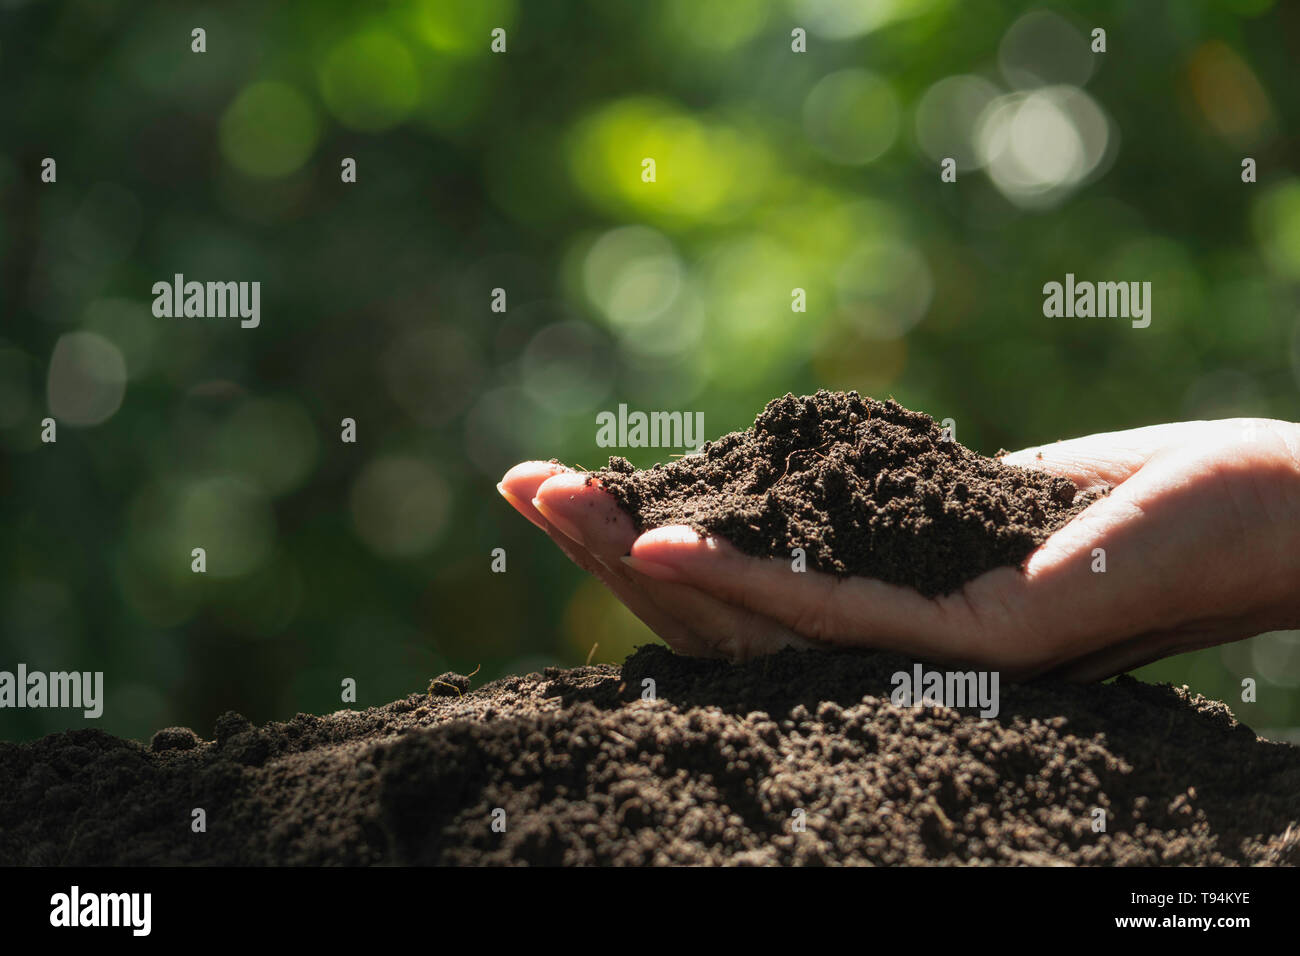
x=519 y=486
x=523 y=479
x=671 y=534
x=672 y=544
x=585 y=512
x=522 y=506
x=566 y=483
x=559 y=520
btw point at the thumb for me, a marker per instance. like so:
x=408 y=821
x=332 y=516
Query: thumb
x=1104 y=459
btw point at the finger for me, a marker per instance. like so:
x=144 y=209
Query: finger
x=1104 y=459
x=722 y=629
x=578 y=505
x=676 y=631
x=589 y=514
x=852 y=611
x=519 y=486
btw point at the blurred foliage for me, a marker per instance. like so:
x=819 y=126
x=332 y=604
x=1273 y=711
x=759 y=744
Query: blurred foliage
x=522 y=171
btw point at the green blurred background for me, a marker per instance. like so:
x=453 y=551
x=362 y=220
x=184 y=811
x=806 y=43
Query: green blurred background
x=522 y=171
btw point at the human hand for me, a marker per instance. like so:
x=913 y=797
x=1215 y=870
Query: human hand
x=1201 y=535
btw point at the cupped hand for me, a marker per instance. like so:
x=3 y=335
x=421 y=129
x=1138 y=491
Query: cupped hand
x=1199 y=538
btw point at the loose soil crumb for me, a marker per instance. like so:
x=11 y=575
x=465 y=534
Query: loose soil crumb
x=864 y=487
x=713 y=771
x=449 y=684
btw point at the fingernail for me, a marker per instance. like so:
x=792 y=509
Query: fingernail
x=652 y=569
x=569 y=529
x=673 y=534
x=522 y=507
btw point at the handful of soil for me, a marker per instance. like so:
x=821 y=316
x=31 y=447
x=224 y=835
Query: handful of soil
x=864 y=487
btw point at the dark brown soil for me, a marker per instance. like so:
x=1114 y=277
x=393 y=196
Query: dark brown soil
x=713 y=771
x=864 y=487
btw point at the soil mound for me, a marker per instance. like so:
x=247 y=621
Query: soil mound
x=864 y=487
x=795 y=758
